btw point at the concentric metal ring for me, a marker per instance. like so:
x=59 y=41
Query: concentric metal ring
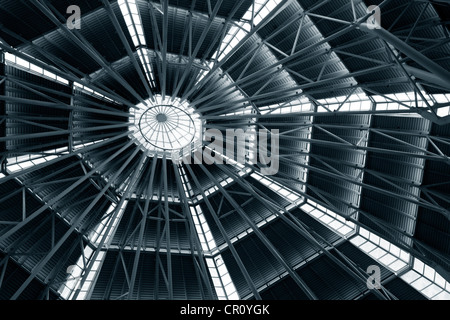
x=167 y=127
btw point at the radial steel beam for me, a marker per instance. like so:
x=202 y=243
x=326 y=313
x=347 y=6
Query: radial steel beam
x=2 y=110
x=4 y=46
x=127 y=46
x=79 y=40
x=74 y=225
x=129 y=190
x=198 y=46
x=149 y=194
x=254 y=30
x=427 y=63
x=166 y=214
x=190 y=225
x=222 y=230
x=311 y=236
x=64 y=193
x=308 y=292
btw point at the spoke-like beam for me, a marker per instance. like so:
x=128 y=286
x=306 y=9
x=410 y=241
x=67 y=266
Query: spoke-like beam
x=222 y=230
x=309 y=293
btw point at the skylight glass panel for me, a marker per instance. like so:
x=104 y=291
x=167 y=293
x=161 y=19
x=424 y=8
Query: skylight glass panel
x=16 y=61
x=93 y=93
x=387 y=254
x=15 y=164
x=101 y=234
x=223 y=284
x=130 y=13
x=354 y=102
x=145 y=61
x=329 y=218
x=133 y=21
x=400 y=101
x=297 y=105
x=426 y=280
x=442 y=103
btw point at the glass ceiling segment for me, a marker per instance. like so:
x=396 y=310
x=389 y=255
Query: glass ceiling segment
x=384 y=252
x=166 y=126
x=354 y=102
x=329 y=218
x=234 y=36
x=426 y=280
x=223 y=284
x=133 y=21
x=297 y=105
x=77 y=288
x=32 y=68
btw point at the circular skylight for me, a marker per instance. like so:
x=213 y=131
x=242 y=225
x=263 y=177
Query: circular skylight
x=166 y=126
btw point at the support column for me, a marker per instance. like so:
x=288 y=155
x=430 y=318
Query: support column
x=2 y=111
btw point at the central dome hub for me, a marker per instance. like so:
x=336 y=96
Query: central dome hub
x=161 y=117
x=166 y=126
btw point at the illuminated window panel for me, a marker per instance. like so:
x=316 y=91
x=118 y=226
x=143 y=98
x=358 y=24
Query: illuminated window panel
x=223 y=284
x=145 y=61
x=12 y=59
x=19 y=163
x=91 y=92
x=399 y=101
x=442 y=101
x=329 y=218
x=284 y=192
x=76 y=273
x=242 y=111
x=427 y=281
x=354 y=102
x=295 y=106
x=133 y=21
x=387 y=254
x=16 y=61
x=72 y=284
x=261 y=9
x=15 y=164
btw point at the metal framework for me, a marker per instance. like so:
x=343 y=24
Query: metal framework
x=363 y=113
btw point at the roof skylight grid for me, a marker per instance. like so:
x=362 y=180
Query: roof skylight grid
x=381 y=250
x=238 y=31
x=223 y=284
x=354 y=102
x=371 y=115
x=442 y=101
x=132 y=17
x=166 y=126
x=298 y=105
x=99 y=235
x=32 y=68
x=133 y=21
x=330 y=219
x=399 y=101
x=93 y=93
x=427 y=281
